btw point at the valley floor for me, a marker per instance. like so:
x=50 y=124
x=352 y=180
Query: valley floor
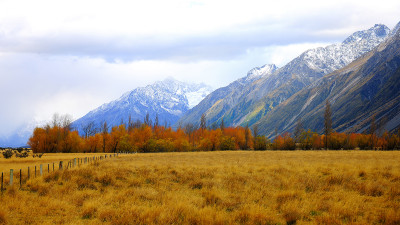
x=225 y=187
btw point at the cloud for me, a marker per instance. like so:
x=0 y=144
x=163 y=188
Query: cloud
x=180 y=30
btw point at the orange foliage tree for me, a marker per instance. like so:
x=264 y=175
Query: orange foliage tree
x=148 y=138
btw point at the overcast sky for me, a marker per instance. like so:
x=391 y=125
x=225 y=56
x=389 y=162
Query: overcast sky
x=71 y=56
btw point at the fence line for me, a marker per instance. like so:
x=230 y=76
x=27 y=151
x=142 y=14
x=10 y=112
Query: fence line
x=76 y=162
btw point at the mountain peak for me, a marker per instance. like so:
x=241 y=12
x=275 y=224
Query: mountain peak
x=261 y=71
x=378 y=31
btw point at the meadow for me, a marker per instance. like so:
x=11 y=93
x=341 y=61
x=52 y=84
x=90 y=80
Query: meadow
x=222 y=187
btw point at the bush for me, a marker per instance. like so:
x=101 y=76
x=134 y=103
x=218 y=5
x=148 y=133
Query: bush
x=3 y=217
x=227 y=143
x=261 y=143
x=21 y=155
x=38 y=155
x=8 y=153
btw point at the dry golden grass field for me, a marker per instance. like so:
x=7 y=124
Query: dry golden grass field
x=231 y=187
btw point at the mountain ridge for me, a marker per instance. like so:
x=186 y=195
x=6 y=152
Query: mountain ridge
x=367 y=87
x=229 y=94
x=167 y=99
x=257 y=98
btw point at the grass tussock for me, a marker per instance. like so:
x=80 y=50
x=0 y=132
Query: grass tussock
x=3 y=217
x=215 y=188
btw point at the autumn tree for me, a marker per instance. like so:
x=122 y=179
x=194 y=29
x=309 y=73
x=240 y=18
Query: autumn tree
x=104 y=132
x=306 y=139
x=278 y=142
x=261 y=143
x=89 y=129
x=118 y=134
x=93 y=143
x=328 y=123
x=73 y=143
x=130 y=124
x=372 y=132
x=147 y=120
x=203 y=124
x=39 y=140
x=156 y=122
x=288 y=142
x=145 y=135
x=298 y=130
x=247 y=136
x=189 y=130
x=227 y=143
x=222 y=125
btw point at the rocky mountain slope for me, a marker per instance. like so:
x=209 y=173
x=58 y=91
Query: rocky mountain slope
x=169 y=99
x=369 y=86
x=217 y=103
x=253 y=100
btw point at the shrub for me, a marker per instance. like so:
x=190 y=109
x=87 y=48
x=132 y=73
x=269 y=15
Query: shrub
x=38 y=155
x=89 y=211
x=8 y=153
x=291 y=215
x=261 y=143
x=105 y=180
x=3 y=217
x=21 y=155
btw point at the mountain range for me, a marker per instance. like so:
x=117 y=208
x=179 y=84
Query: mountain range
x=255 y=99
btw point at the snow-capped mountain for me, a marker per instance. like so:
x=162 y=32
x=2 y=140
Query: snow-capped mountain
x=256 y=99
x=168 y=99
x=336 y=56
x=310 y=66
x=367 y=88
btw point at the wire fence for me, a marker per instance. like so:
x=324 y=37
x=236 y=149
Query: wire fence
x=23 y=176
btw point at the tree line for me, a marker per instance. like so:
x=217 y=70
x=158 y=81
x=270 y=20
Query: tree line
x=146 y=136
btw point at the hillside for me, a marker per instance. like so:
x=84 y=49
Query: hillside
x=217 y=103
x=368 y=86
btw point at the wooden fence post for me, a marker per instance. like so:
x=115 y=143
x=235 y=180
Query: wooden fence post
x=60 y=165
x=11 y=176
x=41 y=170
x=35 y=171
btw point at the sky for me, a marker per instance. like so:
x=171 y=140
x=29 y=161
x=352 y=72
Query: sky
x=69 y=57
